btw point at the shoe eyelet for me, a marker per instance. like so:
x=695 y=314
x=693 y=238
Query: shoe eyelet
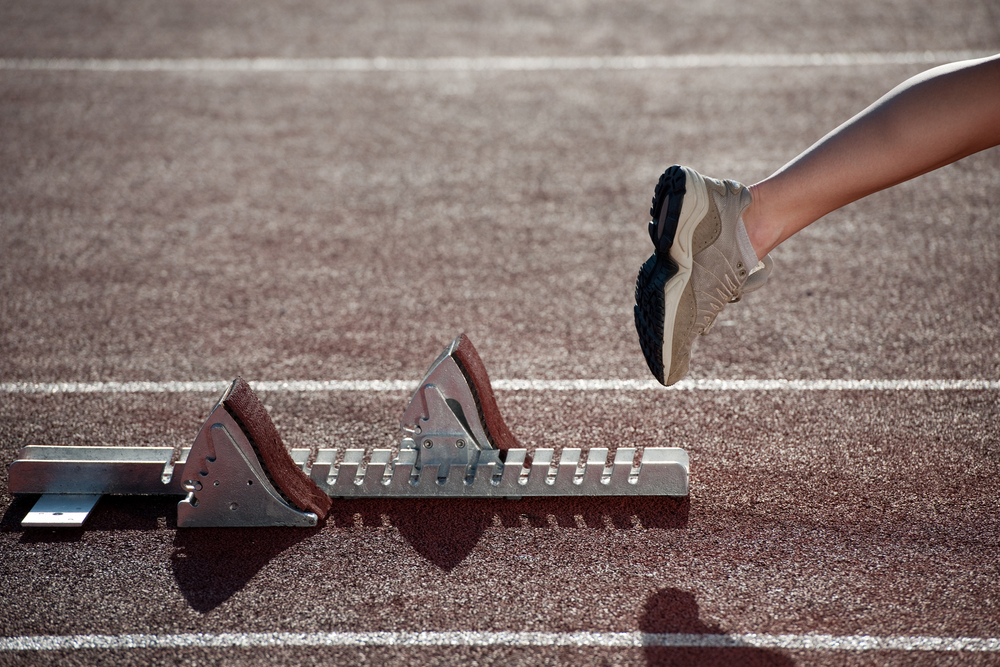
x=743 y=274
x=739 y=265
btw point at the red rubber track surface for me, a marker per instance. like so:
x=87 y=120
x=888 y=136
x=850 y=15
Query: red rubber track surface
x=202 y=225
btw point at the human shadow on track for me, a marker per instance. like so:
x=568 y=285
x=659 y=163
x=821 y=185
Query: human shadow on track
x=445 y=531
x=212 y=564
x=671 y=611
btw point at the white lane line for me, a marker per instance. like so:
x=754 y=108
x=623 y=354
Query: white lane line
x=306 y=386
x=405 y=639
x=746 y=385
x=487 y=64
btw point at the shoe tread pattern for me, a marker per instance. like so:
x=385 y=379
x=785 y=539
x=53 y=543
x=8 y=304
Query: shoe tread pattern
x=670 y=191
x=649 y=308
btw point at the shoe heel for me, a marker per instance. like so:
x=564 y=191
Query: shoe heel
x=694 y=208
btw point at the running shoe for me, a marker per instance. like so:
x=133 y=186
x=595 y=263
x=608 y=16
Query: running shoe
x=697 y=268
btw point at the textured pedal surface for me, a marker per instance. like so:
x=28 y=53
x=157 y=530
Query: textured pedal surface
x=479 y=381
x=287 y=477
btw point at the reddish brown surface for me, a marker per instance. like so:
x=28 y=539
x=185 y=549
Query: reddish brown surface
x=475 y=371
x=201 y=226
x=252 y=416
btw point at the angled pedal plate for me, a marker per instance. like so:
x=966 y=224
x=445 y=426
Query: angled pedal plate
x=227 y=485
x=454 y=444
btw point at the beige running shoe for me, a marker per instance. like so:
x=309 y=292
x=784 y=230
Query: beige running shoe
x=698 y=266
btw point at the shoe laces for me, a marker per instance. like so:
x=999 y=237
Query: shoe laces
x=755 y=280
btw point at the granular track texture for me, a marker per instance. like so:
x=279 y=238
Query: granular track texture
x=250 y=413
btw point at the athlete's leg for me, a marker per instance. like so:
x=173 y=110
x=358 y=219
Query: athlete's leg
x=709 y=235
x=930 y=120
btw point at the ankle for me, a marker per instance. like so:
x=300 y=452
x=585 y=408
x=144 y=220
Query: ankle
x=762 y=236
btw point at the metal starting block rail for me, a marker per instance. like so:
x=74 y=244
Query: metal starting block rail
x=452 y=447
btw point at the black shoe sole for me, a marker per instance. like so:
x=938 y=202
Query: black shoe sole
x=658 y=269
x=670 y=189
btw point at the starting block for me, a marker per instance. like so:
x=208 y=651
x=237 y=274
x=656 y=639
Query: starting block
x=454 y=444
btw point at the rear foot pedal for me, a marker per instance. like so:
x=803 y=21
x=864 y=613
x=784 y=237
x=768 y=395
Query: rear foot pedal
x=456 y=445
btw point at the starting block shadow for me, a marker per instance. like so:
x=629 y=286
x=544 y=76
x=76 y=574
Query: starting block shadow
x=445 y=531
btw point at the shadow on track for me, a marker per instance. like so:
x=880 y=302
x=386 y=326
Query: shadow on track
x=671 y=611
x=212 y=564
x=446 y=531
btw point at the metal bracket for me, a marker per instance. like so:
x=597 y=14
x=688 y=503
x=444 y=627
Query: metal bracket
x=226 y=484
x=444 y=384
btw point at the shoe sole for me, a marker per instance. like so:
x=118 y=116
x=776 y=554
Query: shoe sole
x=664 y=277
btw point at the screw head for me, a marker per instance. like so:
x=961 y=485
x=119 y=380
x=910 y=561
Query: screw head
x=460 y=443
x=428 y=444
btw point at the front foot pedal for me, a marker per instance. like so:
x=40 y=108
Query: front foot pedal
x=460 y=375
x=238 y=472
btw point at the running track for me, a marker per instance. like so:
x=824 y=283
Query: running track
x=319 y=197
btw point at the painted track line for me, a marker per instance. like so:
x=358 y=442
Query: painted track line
x=306 y=386
x=595 y=639
x=488 y=64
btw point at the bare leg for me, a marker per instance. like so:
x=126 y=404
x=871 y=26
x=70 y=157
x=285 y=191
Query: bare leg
x=930 y=120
